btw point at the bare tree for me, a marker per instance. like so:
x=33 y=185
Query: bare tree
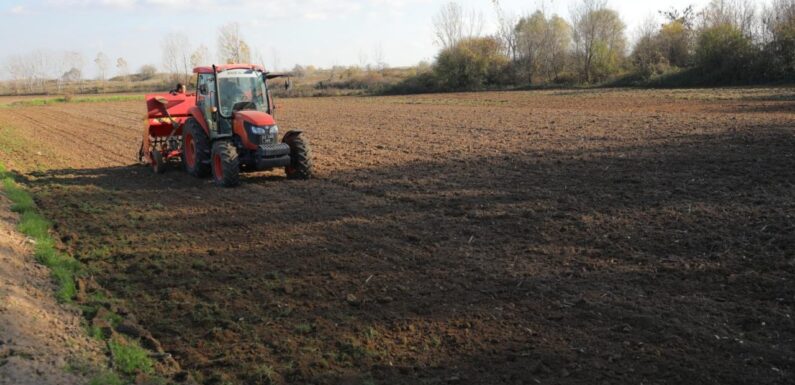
x=778 y=19
x=231 y=46
x=17 y=71
x=740 y=14
x=506 y=30
x=245 y=52
x=200 y=56
x=41 y=65
x=122 y=68
x=177 y=56
x=102 y=62
x=378 y=57
x=452 y=24
x=57 y=68
x=275 y=59
x=74 y=63
x=363 y=64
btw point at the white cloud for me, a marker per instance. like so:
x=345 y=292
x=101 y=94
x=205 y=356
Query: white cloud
x=18 y=10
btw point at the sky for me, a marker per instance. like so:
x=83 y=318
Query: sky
x=322 y=33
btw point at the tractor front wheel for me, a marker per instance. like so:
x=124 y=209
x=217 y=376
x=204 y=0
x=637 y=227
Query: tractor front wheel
x=195 y=149
x=225 y=164
x=300 y=156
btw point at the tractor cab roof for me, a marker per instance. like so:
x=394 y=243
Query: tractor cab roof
x=226 y=67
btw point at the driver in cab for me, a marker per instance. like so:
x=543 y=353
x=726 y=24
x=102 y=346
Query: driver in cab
x=231 y=93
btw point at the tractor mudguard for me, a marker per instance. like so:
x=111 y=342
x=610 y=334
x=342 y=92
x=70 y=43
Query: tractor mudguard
x=197 y=114
x=291 y=134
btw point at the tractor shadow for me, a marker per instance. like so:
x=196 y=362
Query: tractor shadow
x=572 y=267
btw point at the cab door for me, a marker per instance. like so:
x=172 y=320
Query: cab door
x=206 y=101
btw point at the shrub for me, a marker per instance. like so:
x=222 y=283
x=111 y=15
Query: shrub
x=471 y=64
x=725 y=54
x=148 y=71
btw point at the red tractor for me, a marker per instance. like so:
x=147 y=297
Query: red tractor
x=226 y=127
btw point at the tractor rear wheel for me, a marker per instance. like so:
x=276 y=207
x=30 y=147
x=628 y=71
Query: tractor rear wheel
x=225 y=164
x=158 y=163
x=300 y=156
x=195 y=149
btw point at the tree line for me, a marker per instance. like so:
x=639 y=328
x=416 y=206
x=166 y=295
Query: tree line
x=727 y=42
x=44 y=72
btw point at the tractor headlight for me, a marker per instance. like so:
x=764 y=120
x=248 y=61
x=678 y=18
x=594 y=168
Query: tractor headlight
x=267 y=134
x=265 y=130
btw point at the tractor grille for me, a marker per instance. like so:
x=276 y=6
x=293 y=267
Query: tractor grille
x=267 y=139
x=273 y=150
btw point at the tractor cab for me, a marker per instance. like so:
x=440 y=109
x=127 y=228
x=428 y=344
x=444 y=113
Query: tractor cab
x=228 y=90
x=230 y=128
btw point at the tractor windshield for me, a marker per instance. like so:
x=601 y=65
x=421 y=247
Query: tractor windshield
x=241 y=89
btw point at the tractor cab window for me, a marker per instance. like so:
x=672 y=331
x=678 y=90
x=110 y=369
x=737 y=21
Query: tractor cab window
x=241 y=89
x=205 y=97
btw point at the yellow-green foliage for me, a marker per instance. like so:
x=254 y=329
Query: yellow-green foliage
x=472 y=63
x=725 y=51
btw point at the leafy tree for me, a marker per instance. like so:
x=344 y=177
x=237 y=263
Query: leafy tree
x=531 y=35
x=543 y=45
x=599 y=40
x=647 y=57
x=674 y=40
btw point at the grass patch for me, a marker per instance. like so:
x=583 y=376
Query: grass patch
x=304 y=328
x=263 y=374
x=63 y=267
x=130 y=358
x=107 y=378
x=66 y=99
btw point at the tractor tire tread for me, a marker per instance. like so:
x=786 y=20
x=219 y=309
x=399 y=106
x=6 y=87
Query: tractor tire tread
x=300 y=156
x=203 y=150
x=229 y=163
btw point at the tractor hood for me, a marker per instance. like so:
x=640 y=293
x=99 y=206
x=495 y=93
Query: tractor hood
x=256 y=118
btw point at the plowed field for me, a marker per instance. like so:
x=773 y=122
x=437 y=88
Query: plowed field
x=565 y=237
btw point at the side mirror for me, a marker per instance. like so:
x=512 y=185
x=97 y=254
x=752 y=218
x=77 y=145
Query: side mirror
x=271 y=104
x=203 y=89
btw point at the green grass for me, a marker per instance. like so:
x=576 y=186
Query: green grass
x=303 y=328
x=84 y=99
x=107 y=378
x=64 y=268
x=130 y=358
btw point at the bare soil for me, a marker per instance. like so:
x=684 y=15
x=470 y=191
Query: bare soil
x=568 y=237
